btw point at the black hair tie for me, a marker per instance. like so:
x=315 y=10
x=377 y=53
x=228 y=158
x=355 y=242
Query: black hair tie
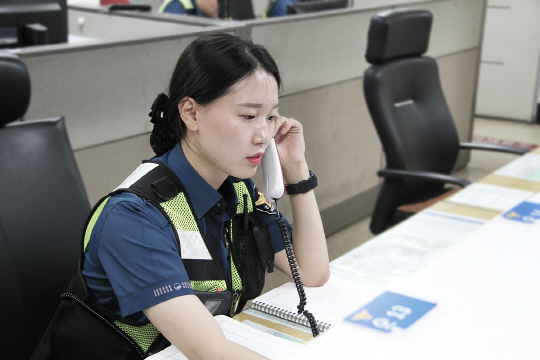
x=158 y=108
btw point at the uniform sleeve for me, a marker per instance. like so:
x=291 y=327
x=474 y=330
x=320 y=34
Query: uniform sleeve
x=138 y=252
x=268 y=214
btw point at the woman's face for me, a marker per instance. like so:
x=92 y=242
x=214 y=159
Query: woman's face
x=235 y=129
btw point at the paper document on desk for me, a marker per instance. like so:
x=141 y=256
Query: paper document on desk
x=267 y=345
x=490 y=196
x=403 y=249
x=524 y=167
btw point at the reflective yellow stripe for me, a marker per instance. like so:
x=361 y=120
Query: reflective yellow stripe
x=144 y=335
x=92 y=222
x=209 y=285
x=242 y=189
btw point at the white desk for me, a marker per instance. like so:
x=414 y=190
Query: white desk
x=487 y=289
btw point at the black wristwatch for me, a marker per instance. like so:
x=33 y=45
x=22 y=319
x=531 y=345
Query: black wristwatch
x=303 y=186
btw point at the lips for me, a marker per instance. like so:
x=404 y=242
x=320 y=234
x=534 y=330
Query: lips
x=255 y=159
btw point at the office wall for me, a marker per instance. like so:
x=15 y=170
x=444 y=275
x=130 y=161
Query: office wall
x=458 y=77
x=105 y=92
x=510 y=62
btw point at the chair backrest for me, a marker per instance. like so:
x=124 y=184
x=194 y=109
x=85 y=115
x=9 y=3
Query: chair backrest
x=43 y=210
x=14 y=89
x=406 y=102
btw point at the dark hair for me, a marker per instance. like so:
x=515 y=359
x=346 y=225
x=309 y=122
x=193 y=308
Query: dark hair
x=205 y=71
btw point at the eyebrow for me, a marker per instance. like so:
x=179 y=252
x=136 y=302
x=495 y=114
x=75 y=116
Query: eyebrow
x=257 y=106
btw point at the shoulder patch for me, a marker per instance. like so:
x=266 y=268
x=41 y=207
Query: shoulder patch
x=263 y=205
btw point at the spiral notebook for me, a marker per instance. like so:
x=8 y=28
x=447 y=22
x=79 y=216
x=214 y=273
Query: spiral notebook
x=282 y=302
x=288 y=315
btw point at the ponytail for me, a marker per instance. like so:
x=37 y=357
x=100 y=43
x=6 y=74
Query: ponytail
x=163 y=137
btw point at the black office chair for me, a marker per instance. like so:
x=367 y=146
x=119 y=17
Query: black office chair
x=43 y=209
x=406 y=102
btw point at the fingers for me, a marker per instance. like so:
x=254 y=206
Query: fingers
x=279 y=124
x=284 y=125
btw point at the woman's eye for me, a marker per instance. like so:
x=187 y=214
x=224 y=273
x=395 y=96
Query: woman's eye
x=248 y=117
x=272 y=118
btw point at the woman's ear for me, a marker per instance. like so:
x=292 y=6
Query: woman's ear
x=187 y=109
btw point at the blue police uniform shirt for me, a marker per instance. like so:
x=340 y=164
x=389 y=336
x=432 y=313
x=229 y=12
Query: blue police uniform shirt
x=133 y=250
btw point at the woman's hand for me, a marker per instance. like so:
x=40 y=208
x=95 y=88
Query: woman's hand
x=289 y=137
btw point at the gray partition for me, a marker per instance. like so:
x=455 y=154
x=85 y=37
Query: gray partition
x=363 y=4
x=105 y=89
x=152 y=15
x=105 y=84
x=457 y=25
x=107 y=27
x=312 y=50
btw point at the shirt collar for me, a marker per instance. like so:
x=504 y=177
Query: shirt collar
x=203 y=196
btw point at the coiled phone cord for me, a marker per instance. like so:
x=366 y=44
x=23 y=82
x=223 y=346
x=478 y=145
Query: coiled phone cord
x=295 y=274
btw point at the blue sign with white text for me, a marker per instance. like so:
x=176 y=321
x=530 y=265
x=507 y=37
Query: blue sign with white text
x=527 y=212
x=390 y=311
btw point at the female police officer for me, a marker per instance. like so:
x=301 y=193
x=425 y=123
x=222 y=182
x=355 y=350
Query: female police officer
x=168 y=238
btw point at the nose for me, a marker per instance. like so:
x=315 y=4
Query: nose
x=263 y=132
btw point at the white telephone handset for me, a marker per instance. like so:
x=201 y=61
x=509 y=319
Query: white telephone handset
x=274 y=186
x=274 y=189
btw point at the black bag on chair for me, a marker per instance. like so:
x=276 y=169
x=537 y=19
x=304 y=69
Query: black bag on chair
x=79 y=332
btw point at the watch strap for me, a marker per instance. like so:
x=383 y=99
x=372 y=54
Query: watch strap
x=303 y=186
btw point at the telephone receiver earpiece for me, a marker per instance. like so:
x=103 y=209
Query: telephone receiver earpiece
x=274 y=186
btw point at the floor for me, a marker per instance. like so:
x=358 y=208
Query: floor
x=481 y=164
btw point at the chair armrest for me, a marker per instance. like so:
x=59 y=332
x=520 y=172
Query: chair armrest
x=494 y=147
x=424 y=175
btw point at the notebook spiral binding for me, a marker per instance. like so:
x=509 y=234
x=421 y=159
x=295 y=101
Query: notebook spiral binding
x=288 y=315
